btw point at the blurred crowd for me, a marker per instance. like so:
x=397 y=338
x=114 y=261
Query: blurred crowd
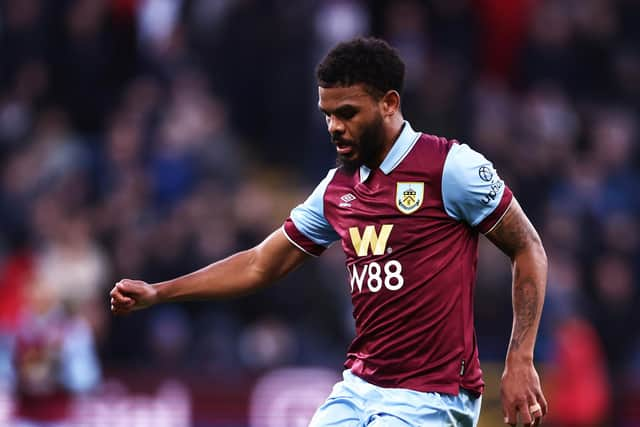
x=148 y=138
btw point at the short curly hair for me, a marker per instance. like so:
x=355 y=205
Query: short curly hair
x=367 y=60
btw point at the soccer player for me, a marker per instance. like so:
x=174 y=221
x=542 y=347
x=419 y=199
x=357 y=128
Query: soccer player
x=408 y=208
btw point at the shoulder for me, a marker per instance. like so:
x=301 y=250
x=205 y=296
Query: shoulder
x=462 y=159
x=436 y=144
x=471 y=187
x=430 y=152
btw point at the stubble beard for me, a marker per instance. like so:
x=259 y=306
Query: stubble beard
x=371 y=144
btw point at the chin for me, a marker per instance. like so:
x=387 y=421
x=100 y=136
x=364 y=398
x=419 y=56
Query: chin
x=350 y=165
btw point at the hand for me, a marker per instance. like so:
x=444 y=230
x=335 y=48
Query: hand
x=129 y=295
x=521 y=394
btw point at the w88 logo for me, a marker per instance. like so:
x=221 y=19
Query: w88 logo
x=375 y=275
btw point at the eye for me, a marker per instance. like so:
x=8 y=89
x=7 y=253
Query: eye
x=348 y=114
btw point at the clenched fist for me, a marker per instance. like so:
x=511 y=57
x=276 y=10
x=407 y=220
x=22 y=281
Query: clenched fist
x=130 y=295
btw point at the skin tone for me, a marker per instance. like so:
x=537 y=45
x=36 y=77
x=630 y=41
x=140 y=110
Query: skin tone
x=520 y=387
x=363 y=129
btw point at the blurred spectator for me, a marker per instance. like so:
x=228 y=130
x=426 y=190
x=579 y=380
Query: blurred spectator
x=267 y=344
x=405 y=27
x=85 y=62
x=169 y=336
x=617 y=295
x=74 y=269
x=503 y=30
x=547 y=55
x=577 y=377
x=339 y=20
x=16 y=272
x=157 y=22
x=577 y=374
x=54 y=358
x=613 y=144
x=24 y=34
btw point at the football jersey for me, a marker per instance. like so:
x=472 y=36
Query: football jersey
x=409 y=230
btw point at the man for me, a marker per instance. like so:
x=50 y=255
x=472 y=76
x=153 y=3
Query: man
x=408 y=208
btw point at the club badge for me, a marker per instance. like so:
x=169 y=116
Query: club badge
x=409 y=196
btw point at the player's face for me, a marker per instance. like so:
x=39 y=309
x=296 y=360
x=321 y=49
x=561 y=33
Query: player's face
x=355 y=125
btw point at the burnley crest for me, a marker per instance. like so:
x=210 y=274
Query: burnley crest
x=409 y=196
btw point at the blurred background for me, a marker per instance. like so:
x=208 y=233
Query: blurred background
x=148 y=138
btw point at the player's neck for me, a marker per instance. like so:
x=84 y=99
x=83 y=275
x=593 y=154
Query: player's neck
x=392 y=133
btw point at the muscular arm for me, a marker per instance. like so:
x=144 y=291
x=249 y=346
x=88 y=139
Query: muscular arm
x=239 y=274
x=517 y=238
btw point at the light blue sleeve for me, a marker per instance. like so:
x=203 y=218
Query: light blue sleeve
x=80 y=369
x=471 y=187
x=309 y=218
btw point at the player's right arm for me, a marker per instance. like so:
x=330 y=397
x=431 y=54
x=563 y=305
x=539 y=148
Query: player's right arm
x=239 y=274
x=306 y=233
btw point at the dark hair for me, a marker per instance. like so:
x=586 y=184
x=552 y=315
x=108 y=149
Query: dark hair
x=370 y=61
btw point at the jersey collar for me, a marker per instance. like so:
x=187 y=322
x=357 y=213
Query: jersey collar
x=398 y=152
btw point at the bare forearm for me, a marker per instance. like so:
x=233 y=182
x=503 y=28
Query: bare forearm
x=520 y=388
x=239 y=274
x=528 y=290
x=236 y=275
x=518 y=239
x=230 y=277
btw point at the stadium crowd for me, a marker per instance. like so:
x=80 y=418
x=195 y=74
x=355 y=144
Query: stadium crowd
x=146 y=138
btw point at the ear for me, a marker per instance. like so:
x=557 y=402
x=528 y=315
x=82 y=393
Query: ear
x=390 y=103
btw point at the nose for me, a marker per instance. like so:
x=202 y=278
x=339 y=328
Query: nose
x=334 y=125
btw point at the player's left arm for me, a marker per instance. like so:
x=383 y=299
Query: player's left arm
x=521 y=391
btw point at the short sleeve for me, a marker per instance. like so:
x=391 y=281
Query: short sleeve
x=307 y=228
x=472 y=191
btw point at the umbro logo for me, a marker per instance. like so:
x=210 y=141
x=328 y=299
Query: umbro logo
x=346 y=200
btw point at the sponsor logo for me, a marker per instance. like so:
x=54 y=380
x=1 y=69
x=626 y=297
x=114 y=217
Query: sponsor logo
x=409 y=196
x=374 y=275
x=486 y=174
x=346 y=200
x=370 y=239
x=493 y=192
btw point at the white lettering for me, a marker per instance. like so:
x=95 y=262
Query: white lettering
x=358 y=279
x=395 y=274
x=375 y=281
x=372 y=273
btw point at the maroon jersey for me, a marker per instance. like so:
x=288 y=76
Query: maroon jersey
x=409 y=230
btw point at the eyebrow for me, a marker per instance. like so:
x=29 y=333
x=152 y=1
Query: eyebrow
x=340 y=110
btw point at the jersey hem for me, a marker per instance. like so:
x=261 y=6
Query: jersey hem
x=448 y=388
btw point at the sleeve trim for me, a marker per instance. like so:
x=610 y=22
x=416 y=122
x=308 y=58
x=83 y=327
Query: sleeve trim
x=498 y=213
x=298 y=239
x=295 y=244
x=499 y=219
